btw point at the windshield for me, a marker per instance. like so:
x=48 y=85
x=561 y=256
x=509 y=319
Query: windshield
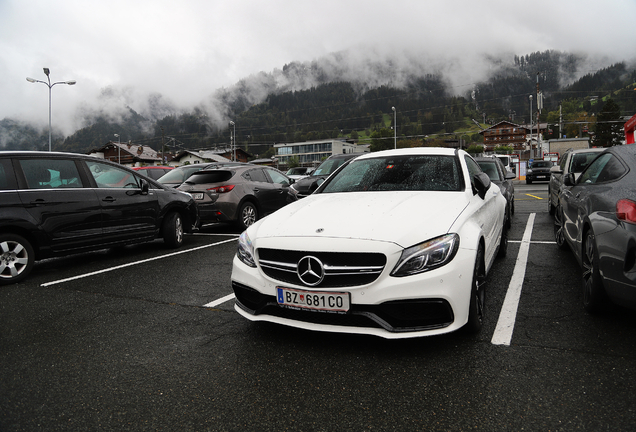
x=328 y=167
x=541 y=164
x=398 y=173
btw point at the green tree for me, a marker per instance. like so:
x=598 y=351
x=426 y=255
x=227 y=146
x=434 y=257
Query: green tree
x=609 y=129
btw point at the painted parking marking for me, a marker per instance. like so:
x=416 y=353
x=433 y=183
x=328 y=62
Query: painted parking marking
x=508 y=315
x=534 y=196
x=106 y=270
x=217 y=302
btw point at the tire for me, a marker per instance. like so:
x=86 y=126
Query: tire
x=550 y=206
x=248 y=214
x=512 y=206
x=528 y=181
x=477 y=296
x=503 y=243
x=594 y=297
x=16 y=258
x=173 y=230
x=559 y=233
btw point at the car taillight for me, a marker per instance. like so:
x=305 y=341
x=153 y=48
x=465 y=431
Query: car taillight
x=626 y=210
x=221 y=189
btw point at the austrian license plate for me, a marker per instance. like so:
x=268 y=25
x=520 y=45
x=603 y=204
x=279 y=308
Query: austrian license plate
x=337 y=302
x=197 y=195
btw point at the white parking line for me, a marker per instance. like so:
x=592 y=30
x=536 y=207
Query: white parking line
x=219 y=301
x=508 y=315
x=135 y=263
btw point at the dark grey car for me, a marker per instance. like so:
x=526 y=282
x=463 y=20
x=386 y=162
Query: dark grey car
x=241 y=194
x=596 y=218
x=306 y=186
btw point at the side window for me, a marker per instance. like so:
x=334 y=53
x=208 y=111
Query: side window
x=7 y=179
x=473 y=168
x=50 y=173
x=564 y=160
x=604 y=168
x=277 y=177
x=108 y=176
x=257 y=175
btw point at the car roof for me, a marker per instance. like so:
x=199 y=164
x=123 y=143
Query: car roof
x=410 y=151
x=588 y=150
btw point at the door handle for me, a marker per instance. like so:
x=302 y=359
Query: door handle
x=109 y=199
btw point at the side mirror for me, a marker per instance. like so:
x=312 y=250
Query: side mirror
x=482 y=184
x=556 y=169
x=144 y=187
x=568 y=180
x=510 y=176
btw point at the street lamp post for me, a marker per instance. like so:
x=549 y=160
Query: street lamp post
x=118 y=149
x=50 y=86
x=233 y=147
x=394 y=128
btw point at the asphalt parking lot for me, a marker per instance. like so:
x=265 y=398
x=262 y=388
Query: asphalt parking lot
x=146 y=338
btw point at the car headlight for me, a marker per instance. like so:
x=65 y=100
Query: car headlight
x=529 y=171
x=245 y=251
x=426 y=256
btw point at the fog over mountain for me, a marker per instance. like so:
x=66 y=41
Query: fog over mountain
x=365 y=69
x=158 y=57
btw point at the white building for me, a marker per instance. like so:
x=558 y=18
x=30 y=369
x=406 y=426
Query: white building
x=311 y=153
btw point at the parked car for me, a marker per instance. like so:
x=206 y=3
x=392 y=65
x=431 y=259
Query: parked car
x=596 y=218
x=396 y=244
x=538 y=170
x=572 y=161
x=57 y=204
x=180 y=174
x=506 y=160
x=308 y=185
x=241 y=194
x=502 y=178
x=298 y=173
x=154 y=172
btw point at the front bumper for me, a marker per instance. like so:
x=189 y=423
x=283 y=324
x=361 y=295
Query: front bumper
x=428 y=303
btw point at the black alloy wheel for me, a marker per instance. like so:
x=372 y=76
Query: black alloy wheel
x=593 y=293
x=16 y=258
x=559 y=233
x=173 y=230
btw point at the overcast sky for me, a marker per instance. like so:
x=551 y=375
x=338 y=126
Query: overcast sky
x=187 y=49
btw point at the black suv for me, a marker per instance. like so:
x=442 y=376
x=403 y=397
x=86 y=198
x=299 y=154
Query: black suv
x=54 y=204
x=306 y=186
x=538 y=170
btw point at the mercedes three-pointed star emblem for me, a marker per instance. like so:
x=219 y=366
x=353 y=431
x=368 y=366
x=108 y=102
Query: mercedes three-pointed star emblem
x=310 y=270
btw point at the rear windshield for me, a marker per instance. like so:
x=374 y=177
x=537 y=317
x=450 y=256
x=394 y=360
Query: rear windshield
x=179 y=175
x=205 y=177
x=399 y=173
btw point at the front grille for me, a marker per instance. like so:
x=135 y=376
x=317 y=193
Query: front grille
x=341 y=269
x=393 y=316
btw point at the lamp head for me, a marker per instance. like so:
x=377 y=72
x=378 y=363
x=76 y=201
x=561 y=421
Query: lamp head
x=73 y=82
x=31 y=80
x=47 y=71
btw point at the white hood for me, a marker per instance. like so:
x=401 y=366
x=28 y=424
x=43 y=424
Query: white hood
x=404 y=218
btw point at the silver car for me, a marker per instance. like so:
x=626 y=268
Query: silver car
x=572 y=161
